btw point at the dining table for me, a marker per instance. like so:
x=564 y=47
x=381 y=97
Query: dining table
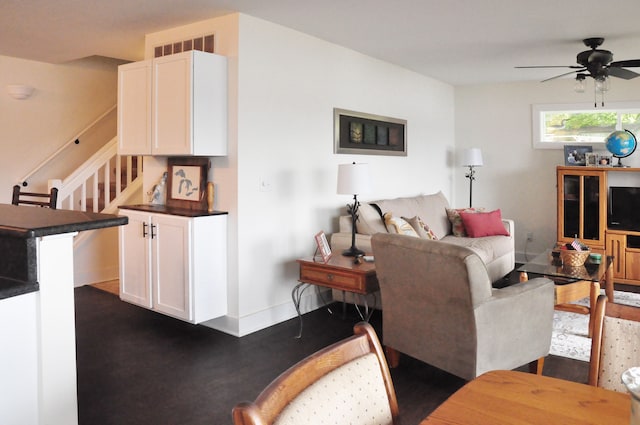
x=512 y=397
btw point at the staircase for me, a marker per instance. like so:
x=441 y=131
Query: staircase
x=103 y=182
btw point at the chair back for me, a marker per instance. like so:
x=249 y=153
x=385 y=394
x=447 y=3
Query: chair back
x=48 y=200
x=615 y=346
x=348 y=382
x=430 y=288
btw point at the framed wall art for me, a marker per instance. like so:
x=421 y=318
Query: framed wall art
x=187 y=182
x=368 y=134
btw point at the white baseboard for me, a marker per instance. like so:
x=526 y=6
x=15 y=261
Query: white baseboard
x=241 y=326
x=88 y=277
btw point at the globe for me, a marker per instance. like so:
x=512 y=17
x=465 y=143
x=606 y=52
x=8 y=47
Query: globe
x=621 y=144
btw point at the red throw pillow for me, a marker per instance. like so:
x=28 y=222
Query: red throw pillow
x=483 y=224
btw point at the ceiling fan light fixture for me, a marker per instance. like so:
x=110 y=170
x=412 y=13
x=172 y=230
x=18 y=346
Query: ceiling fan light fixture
x=579 y=85
x=602 y=84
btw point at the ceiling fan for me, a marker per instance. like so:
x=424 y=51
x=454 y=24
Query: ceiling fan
x=596 y=63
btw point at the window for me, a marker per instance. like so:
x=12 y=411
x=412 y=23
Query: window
x=575 y=124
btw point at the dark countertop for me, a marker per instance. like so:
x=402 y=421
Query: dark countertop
x=163 y=209
x=28 y=222
x=19 y=228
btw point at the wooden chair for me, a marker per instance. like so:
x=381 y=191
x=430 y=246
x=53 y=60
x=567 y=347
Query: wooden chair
x=48 y=200
x=615 y=346
x=348 y=383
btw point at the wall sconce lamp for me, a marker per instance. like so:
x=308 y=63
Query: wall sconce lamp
x=19 y=91
x=353 y=179
x=471 y=158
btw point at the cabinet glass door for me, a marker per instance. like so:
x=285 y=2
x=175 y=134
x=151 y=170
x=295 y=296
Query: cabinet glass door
x=571 y=217
x=591 y=206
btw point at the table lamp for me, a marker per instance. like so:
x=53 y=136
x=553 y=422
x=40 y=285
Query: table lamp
x=471 y=158
x=353 y=179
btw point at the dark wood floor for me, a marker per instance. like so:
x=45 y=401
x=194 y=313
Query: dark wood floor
x=139 y=367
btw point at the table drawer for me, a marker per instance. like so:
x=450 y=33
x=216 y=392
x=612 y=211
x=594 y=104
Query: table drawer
x=337 y=280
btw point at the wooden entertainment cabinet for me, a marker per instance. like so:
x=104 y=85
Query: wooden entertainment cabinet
x=582 y=211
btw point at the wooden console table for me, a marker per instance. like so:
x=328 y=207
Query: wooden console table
x=339 y=273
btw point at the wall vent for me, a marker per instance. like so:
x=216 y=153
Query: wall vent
x=204 y=43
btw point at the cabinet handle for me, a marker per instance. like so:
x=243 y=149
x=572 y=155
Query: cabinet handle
x=153 y=228
x=144 y=230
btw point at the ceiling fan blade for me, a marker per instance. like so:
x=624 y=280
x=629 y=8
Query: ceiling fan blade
x=562 y=75
x=625 y=74
x=632 y=63
x=553 y=66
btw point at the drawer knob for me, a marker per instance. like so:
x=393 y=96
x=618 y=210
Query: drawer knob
x=329 y=277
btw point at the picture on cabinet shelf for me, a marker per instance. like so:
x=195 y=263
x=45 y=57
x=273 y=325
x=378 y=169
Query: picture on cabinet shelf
x=591 y=159
x=576 y=155
x=187 y=179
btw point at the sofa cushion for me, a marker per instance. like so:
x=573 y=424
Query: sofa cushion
x=423 y=230
x=430 y=208
x=480 y=224
x=398 y=225
x=457 y=226
x=488 y=248
x=370 y=221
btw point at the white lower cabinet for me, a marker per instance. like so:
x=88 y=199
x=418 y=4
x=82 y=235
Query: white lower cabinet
x=175 y=265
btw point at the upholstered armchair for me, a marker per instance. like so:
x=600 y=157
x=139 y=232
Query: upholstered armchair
x=440 y=308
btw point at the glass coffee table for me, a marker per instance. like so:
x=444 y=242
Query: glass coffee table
x=573 y=283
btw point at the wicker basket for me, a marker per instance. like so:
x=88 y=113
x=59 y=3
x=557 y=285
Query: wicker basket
x=573 y=258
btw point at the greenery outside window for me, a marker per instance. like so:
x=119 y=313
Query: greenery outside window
x=556 y=125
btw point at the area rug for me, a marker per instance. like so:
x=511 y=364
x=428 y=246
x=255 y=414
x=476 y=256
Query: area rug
x=570 y=337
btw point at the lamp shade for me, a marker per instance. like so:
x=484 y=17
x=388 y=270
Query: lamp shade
x=354 y=179
x=471 y=158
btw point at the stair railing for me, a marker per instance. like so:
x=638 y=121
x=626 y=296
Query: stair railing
x=90 y=184
x=74 y=140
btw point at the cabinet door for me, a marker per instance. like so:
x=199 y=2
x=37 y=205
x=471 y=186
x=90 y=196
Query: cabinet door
x=171 y=265
x=616 y=247
x=135 y=268
x=582 y=206
x=172 y=88
x=134 y=108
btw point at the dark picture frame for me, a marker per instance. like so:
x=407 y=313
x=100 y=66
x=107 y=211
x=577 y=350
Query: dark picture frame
x=187 y=182
x=576 y=154
x=368 y=134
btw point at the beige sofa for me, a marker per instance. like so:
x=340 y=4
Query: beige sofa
x=496 y=252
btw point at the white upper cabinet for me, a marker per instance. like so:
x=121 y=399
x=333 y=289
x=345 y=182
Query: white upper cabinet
x=173 y=105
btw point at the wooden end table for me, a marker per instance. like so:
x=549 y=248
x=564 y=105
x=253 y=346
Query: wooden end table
x=340 y=273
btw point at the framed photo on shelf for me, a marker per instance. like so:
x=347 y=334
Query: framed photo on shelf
x=576 y=155
x=187 y=182
x=591 y=159
x=323 y=246
x=604 y=161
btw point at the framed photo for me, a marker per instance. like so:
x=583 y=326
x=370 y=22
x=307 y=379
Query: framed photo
x=186 y=182
x=591 y=159
x=368 y=134
x=576 y=155
x=604 y=161
x=323 y=246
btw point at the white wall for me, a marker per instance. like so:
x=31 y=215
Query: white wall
x=67 y=98
x=289 y=84
x=516 y=178
x=283 y=88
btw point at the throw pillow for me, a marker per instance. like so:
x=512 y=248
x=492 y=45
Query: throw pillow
x=457 y=227
x=398 y=225
x=422 y=229
x=483 y=224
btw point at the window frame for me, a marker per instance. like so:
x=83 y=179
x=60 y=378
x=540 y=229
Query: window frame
x=537 y=111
